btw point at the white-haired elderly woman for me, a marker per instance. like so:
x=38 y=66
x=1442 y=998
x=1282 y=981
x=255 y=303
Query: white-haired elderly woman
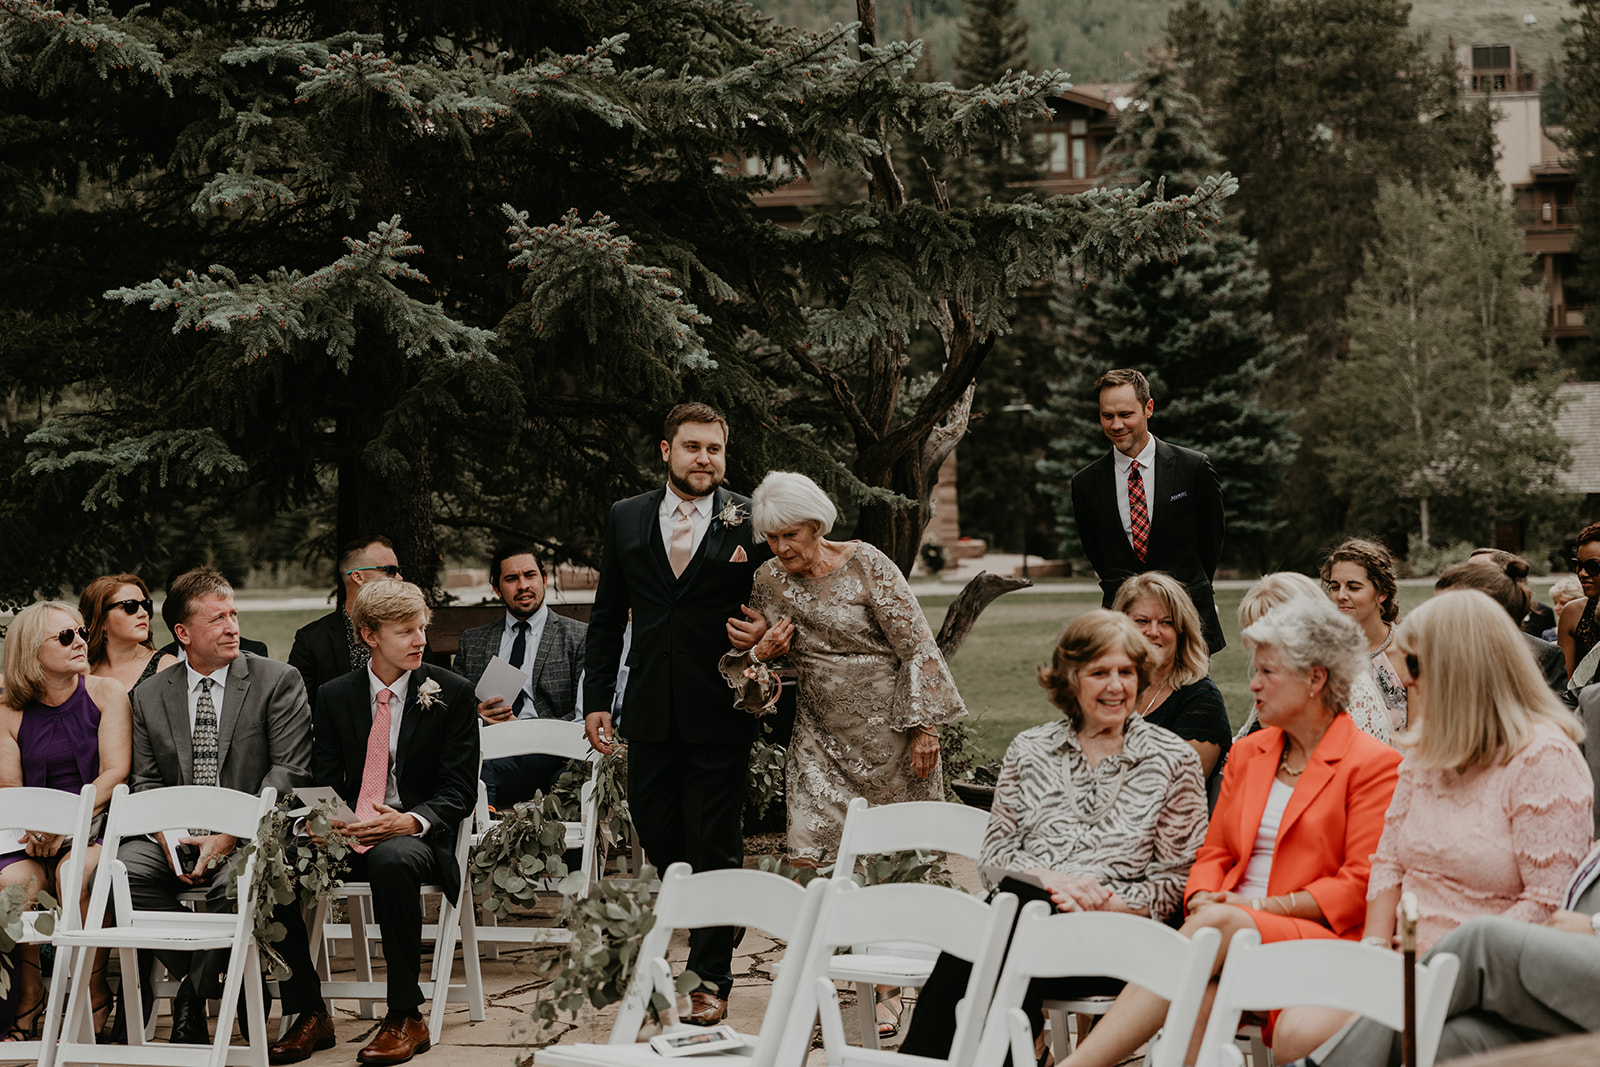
x=1291 y=839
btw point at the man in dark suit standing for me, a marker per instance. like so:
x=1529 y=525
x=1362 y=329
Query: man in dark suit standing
x=327 y=647
x=1149 y=506
x=398 y=739
x=682 y=560
x=219 y=718
x=546 y=645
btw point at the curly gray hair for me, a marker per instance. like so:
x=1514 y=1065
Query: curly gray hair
x=785 y=500
x=1310 y=632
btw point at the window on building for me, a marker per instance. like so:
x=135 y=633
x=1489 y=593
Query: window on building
x=1078 y=149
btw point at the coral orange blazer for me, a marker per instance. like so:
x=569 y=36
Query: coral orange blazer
x=1328 y=834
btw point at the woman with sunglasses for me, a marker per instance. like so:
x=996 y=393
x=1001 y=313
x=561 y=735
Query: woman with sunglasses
x=1578 y=628
x=59 y=729
x=1491 y=814
x=118 y=611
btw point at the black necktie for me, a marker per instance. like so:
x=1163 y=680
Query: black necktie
x=519 y=652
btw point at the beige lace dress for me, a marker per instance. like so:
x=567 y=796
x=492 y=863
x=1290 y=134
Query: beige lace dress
x=869 y=674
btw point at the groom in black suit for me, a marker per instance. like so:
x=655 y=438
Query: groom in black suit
x=1149 y=506
x=682 y=560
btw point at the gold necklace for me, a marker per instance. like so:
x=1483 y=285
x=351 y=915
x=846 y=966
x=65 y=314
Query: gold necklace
x=1283 y=765
x=1164 y=683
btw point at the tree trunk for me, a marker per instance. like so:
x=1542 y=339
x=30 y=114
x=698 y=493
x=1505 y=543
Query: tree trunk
x=969 y=604
x=1422 y=507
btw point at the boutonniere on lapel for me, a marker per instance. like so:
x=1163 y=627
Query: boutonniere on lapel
x=428 y=694
x=732 y=515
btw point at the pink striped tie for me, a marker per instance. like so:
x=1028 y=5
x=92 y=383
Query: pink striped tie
x=375 y=773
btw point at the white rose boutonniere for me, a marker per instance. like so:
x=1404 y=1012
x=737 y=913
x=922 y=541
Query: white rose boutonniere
x=428 y=693
x=732 y=515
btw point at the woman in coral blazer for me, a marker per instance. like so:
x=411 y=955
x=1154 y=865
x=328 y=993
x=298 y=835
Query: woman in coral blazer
x=1291 y=840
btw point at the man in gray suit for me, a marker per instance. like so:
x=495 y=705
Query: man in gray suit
x=546 y=645
x=1518 y=982
x=219 y=718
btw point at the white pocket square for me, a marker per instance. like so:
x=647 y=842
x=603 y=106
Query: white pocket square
x=1177 y=496
x=739 y=555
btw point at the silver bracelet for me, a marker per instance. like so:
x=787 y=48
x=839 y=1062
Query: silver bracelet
x=1376 y=942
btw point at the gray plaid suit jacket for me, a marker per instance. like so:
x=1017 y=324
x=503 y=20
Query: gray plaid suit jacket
x=556 y=666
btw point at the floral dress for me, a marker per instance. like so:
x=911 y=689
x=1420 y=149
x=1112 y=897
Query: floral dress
x=869 y=675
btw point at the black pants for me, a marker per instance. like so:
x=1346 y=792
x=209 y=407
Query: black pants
x=687 y=802
x=396 y=869
x=933 y=1024
x=513 y=779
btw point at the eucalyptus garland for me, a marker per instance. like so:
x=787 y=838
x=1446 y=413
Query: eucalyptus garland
x=526 y=845
x=912 y=865
x=289 y=868
x=764 y=780
x=13 y=902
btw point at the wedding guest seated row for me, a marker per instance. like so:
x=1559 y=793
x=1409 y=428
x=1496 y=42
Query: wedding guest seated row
x=1097 y=811
x=1578 y=625
x=1289 y=846
x=60 y=728
x=117 y=610
x=1503 y=578
x=1361 y=582
x=1366 y=708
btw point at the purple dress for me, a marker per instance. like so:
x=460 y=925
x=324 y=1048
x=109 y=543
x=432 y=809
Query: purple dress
x=60 y=746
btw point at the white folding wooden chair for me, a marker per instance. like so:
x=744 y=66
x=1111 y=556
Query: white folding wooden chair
x=50 y=811
x=948 y=919
x=755 y=899
x=1085 y=944
x=927 y=825
x=1325 y=973
x=455 y=924
x=552 y=737
x=225 y=811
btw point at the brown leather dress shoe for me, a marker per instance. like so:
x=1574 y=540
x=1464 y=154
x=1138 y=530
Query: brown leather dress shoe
x=400 y=1037
x=312 y=1032
x=706 y=1009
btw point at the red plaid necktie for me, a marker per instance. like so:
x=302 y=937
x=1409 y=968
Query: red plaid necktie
x=1138 y=514
x=375 y=772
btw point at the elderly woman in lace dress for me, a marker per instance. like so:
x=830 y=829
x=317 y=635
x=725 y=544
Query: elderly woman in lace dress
x=873 y=688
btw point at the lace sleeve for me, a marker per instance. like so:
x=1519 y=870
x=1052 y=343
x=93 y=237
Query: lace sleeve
x=1000 y=840
x=925 y=694
x=1387 y=870
x=1367 y=709
x=1550 y=800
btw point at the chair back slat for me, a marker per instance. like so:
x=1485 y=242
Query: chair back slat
x=929 y=825
x=222 y=811
x=526 y=737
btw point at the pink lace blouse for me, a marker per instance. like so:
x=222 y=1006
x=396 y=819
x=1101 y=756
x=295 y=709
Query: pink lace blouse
x=1497 y=840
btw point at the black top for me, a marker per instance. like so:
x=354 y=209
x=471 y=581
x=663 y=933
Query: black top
x=1196 y=713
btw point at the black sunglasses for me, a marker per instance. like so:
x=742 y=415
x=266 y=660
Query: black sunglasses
x=1589 y=568
x=1413 y=668
x=389 y=568
x=65 y=637
x=132 y=606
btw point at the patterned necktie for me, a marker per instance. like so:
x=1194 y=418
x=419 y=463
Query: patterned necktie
x=375 y=772
x=682 y=540
x=1138 y=513
x=519 y=652
x=203 y=746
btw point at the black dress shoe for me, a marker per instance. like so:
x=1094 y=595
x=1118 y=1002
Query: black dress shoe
x=189 y=1020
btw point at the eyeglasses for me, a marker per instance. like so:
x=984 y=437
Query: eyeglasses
x=67 y=636
x=1589 y=568
x=389 y=568
x=1413 y=668
x=132 y=607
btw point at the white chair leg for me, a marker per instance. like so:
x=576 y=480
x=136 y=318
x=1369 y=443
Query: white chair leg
x=361 y=950
x=470 y=961
x=1060 y=1038
x=867 y=1013
x=1260 y=1054
x=491 y=946
x=255 y=1008
x=444 y=957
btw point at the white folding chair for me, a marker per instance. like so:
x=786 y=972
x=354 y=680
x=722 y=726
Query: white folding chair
x=552 y=737
x=50 y=811
x=755 y=899
x=1085 y=944
x=1325 y=973
x=925 y=824
x=225 y=811
x=948 y=919
x=455 y=924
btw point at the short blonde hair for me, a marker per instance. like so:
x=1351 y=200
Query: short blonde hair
x=379 y=602
x=1485 y=695
x=24 y=637
x=1084 y=640
x=1192 y=660
x=1309 y=632
x=785 y=500
x=1273 y=589
x=1566 y=586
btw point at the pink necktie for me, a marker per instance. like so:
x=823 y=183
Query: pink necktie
x=375 y=773
x=1138 y=513
x=682 y=540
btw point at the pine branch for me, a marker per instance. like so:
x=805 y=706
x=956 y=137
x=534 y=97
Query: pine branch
x=35 y=39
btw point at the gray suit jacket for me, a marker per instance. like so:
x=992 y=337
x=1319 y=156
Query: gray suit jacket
x=556 y=666
x=263 y=729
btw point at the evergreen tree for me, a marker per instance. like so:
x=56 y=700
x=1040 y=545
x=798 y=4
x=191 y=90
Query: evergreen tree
x=1197 y=328
x=994 y=45
x=1434 y=414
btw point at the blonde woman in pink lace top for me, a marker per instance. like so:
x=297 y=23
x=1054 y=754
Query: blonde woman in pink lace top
x=1491 y=815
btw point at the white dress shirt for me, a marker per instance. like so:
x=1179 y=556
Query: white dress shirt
x=220 y=678
x=699 y=518
x=508 y=637
x=1147 y=472
x=397 y=704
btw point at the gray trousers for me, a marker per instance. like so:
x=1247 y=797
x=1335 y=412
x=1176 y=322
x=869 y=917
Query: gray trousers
x=1518 y=982
x=154 y=887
